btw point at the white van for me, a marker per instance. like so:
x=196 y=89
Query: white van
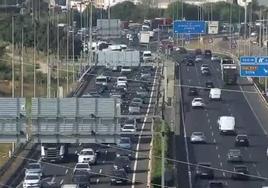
x=215 y=94
x=122 y=79
x=226 y=124
x=102 y=80
x=147 y=56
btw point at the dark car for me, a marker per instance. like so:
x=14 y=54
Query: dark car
x=192 y=91
x=216 y=184
x=81 y=178
x=209 y=85
x=205 y=71
x=198 y=51
x=122 y=162
x=234 y=155
x=208 y=53
x=240 y=172
x=119 y=177
x=203 y=170
x=190 y=62
x=241 y=140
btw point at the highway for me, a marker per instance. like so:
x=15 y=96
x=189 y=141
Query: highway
x=205 y=120
x=61 y=173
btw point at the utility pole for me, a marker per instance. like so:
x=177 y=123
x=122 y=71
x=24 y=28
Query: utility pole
x=73 y=47
x=34 y=60
x=22 y=56
x=48 y=59
x=67 y=52
x=58 y=57
x=90 y=36
x=163 y=154
x=13 y=67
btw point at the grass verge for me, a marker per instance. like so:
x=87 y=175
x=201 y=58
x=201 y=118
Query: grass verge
x=4 y=150
x=157 y=151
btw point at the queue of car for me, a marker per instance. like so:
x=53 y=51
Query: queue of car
x=226 y=124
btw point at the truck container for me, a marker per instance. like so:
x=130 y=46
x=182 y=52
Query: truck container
x=229 y=72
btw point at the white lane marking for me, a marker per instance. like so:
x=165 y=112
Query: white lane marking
x=224 y=175
x=207 y=114
x=214 y=140
x=210 y=127
x=100 y=171
x=208 y=120
x=61 y=182
x=52 y=179
x=66 y=171
x=254 y=113
x=254 y=165
x=217 y=147
x=76 y=152
x=219 y=156
x=212 y=133
x=98 y=180
x=258 y=173
x=221 y=164
x=139 y=138
x=39 y=160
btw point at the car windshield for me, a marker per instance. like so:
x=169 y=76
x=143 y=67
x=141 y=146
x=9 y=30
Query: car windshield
x=235 y=152
x=124 y=140
x=34 y=166
x=130 y=121
x=198 y=100
x=128 y=127
x=198 y=134
x=86 y=153
x=32 y=177
x=82 y=166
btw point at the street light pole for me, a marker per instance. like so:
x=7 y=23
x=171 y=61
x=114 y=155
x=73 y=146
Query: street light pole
x=13 y=66
x=163 y=154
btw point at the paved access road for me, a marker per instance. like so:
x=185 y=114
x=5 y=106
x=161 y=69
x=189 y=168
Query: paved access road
x=215 y=152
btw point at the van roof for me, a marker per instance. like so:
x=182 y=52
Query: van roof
x=227 y=120
x=69 y=186
x=101 y=76
x=147 y=52
x=215 y=90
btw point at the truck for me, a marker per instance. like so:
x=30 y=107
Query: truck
x=53 y=152
x=229 y=72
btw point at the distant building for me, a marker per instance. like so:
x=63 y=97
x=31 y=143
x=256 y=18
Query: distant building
x=106 y=3
x=200 y=2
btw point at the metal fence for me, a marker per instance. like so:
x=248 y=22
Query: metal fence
x=75 y=120
x=12 y=120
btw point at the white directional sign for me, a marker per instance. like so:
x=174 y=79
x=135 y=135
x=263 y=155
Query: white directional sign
x=213 y=27
x=144 y=37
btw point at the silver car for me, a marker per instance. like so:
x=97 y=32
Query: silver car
x=134 y=108
x=198 y=137
x=34 y=168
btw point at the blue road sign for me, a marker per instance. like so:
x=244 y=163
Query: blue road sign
x=194 y=27
x=254 y=70
x=247 y=59
x=254 y=60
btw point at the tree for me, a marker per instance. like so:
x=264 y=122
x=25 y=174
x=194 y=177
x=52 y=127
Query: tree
x=124 y=11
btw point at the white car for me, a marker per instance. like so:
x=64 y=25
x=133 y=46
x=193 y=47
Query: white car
x=82 y=167
x=198 y=102
x=215 y=58
x=198 y=137
x=32 y=180
x=204 y=66
x=87 y=155
x=128 y=128
x=198 y=58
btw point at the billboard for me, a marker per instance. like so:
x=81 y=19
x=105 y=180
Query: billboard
x=213 y=27
x=193 y=27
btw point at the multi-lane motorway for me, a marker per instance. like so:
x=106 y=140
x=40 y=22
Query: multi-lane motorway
x=215 y=151
x=58 y=174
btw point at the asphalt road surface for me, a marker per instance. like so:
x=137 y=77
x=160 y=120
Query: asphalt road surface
x=205 y=120
x=61 y=173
